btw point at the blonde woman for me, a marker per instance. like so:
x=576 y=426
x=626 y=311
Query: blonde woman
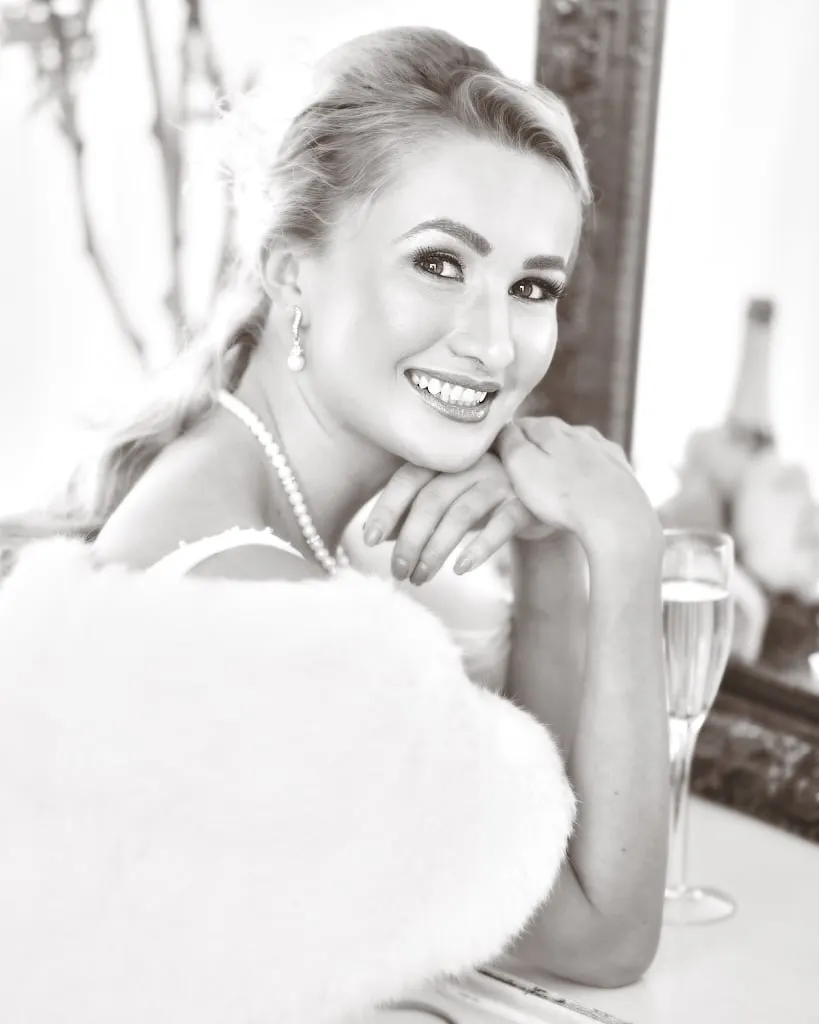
x=403 y=250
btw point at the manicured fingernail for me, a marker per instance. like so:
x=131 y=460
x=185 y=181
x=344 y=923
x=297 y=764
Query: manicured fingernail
x=420 y=575
x=400 y=568
x=373 y=535
x=463 y=564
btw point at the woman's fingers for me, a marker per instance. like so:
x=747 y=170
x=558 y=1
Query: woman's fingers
x=429 y=514
x=610 y=448
x=505 y=523
x=542 y=430
x=438 y=521
x=394 y=502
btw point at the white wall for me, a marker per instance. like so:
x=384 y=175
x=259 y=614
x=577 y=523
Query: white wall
x=60 y=353
x=735 y=212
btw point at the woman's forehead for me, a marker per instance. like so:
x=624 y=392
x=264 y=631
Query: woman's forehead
x=513 y=200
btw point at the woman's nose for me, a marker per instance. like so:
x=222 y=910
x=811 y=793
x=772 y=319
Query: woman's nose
x=486 y=336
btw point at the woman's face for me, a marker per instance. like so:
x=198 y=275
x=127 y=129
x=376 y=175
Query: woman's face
x=433 y=313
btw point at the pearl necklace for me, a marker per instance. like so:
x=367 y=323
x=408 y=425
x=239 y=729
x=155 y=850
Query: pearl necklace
x=288 y=481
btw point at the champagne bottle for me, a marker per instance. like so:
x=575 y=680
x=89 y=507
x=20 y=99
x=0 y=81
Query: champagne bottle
x=749 y=418
x=716 y=458
x=773 y=515
x=717 y=464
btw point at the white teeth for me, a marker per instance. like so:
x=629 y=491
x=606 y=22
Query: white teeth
x=454 y=394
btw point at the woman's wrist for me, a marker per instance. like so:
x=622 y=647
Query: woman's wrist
x=537 y=563
x=613 y=548
x=612 y=559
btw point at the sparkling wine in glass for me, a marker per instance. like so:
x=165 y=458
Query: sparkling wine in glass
x=697 y=625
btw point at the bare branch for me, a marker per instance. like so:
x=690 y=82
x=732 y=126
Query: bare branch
x=217 y=81
x=68 y=124
x=61 y=47
x=171 y=156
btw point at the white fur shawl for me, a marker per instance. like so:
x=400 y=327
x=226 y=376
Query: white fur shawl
x=226 y=802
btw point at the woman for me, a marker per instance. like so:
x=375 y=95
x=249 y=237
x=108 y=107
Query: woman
x=402 y=255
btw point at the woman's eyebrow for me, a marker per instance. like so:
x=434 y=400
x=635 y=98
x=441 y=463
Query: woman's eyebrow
x=479 y=244
x=545 y=263
x=460 y=231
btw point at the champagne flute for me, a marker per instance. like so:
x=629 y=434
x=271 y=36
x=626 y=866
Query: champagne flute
x=698 y=611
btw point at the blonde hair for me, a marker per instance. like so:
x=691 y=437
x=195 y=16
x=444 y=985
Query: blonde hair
x=375 y=97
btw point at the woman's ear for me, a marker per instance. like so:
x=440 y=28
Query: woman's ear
x=280 y=273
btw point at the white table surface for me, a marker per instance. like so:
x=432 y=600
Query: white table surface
x=760 y=966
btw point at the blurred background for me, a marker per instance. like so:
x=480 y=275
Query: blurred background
x=734 y=215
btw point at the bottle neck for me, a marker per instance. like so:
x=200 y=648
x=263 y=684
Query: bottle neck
x=750 y=408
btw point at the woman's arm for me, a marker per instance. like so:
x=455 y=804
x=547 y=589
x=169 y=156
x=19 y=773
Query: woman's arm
x=587 y=661
x=589 y=667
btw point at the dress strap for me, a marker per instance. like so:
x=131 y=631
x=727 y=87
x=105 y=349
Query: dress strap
x=188 y=555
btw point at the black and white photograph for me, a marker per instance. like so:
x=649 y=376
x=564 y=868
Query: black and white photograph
x=409 y=511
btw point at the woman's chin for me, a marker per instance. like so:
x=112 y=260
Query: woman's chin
x=428 y=437
x=446 y=457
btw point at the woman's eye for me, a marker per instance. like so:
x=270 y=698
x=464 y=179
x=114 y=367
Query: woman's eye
x=535 y=290
x=438 y=264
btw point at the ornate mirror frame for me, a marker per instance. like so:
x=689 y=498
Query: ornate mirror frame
x=759 y=749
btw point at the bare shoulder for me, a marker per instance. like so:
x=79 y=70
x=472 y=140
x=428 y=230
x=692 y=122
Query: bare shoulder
x=201 y=486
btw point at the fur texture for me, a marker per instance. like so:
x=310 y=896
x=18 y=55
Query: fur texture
x=251 y=803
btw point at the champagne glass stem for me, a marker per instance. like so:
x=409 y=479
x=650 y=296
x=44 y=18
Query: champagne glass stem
x=683 y=734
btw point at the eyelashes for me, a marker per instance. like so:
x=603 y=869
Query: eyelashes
x=422 y=258
x=553 y=290
x=427 y=255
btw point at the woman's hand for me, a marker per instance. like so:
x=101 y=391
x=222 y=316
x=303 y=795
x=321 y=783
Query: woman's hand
x=573 y=478
x=550 y=476
x=428 y=514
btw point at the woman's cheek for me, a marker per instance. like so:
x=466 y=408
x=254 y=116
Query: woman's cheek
x=535 y=355
x=411 y=322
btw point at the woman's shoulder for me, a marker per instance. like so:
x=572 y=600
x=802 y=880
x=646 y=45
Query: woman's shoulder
x=198 y=512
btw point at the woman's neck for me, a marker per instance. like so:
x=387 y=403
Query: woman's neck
x=337 y=471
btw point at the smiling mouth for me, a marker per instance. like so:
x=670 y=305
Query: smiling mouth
x=462 y=404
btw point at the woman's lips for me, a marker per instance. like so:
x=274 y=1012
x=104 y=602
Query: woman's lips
x=459 y=413
x=486 y=386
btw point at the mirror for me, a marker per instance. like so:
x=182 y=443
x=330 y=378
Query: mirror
x=725 y=417
x=690 y=332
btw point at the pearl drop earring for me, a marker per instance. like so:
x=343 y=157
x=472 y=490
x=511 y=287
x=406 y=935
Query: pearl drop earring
x=295 y=361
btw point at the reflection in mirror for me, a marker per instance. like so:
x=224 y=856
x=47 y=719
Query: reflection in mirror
x=725 y=414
